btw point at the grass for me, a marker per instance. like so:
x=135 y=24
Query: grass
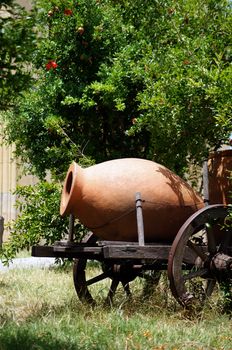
x=39 y=310
x=25 y=253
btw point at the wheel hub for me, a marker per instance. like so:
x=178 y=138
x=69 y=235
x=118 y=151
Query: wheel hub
x=123 y=272
x=221 y=266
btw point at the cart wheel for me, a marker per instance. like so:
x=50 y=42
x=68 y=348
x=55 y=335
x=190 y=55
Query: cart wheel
x=191 y=271
x=79 y=273
x=116 y=273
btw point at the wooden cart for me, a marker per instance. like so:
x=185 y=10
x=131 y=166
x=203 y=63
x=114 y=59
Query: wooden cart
x=199 y=257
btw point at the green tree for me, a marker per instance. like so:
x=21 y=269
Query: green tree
x=125 y=78
x=17 y=44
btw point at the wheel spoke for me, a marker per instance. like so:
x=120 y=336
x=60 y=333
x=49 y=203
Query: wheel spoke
x=197 y=250
x=212 y=247
x=210 y=287
x=96 y=279
x=113 y=288
x=193 y=274
x=225 y=241
x=126 y=288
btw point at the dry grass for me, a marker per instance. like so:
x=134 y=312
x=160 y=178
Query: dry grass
x=39 y=310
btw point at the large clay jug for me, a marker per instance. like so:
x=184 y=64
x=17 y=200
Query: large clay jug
x=102 y=197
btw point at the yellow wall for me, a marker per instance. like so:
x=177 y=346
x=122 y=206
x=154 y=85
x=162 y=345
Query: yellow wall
x=9 y=168
x=10 y=177
x=8 y=174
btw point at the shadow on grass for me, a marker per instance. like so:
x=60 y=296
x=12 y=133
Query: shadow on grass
x=25 y=337
x=18 y=339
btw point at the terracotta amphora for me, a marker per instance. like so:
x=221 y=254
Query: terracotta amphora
x=102 y=197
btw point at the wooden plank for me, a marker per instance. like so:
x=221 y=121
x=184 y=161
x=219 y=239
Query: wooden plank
x=148 y=252
x=79 y=250
x=68 y=251
x=157 y=252
x=122 y=243
x=43 y=251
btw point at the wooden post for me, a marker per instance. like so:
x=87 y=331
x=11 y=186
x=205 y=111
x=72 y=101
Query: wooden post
x=139 y=214
x=1 y=230
x=206 y=183
x=71 y=228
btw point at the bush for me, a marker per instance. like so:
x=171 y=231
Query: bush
x=125 y=78
x=38 y=220
x=15 y=59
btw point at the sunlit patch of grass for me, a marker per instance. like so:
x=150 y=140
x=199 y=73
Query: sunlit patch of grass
x=23 y=295
x=39 y=310
x=24 y=253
